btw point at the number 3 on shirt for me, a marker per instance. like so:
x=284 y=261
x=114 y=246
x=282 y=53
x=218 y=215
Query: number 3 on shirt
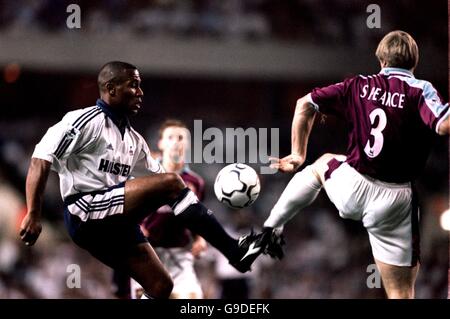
x=377 y=133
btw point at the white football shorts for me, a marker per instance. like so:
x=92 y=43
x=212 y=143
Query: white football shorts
x=386 y=210
x=98 y=204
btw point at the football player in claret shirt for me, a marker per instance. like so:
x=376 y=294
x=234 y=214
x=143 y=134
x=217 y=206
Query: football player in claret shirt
x=392 y=118
x=175 y=245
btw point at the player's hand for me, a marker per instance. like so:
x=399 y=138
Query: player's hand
x=288 y=164
x=30 y=229
x=198 y=246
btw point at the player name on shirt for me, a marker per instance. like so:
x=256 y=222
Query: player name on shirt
x=384 y=97
x=114 y=168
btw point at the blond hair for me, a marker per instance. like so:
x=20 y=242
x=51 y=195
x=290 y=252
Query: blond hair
x=398 y=49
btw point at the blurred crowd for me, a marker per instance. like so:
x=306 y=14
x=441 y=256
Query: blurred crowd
x=308 y=21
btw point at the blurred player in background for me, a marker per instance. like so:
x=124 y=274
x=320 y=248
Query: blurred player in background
x=393 y=118
x=175 y=245
x=95 y=151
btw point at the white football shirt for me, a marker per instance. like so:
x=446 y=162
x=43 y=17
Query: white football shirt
x=89 y=152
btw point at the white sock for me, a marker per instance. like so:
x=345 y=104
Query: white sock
x=301 y=191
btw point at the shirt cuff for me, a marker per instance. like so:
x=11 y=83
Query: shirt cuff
x=39 y=155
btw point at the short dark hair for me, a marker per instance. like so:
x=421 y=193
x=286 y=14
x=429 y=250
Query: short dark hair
x=398 y=49
x=113 y=72
x=169 y=123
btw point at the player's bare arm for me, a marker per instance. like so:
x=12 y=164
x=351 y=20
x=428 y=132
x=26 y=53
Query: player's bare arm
x=444 y=128
x=301 y=128
x=31 y=227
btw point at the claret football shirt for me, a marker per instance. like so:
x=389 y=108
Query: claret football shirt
x=392 y=118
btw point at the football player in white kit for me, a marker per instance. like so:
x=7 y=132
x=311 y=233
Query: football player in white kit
x=95 y=151
x=393 y=118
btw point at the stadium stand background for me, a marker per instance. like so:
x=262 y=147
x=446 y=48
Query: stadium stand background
x=231 y=64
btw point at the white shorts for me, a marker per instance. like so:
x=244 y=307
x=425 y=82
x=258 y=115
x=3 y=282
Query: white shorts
x=180 y=264
x=386 y=210
x=99 y=204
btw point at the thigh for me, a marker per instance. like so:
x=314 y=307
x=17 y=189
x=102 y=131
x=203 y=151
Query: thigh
x=97 y=205
x=111 y=240
x=391 y=219
x=146 y=194
x=347 y=190
x=398 y=281
x=388 y=205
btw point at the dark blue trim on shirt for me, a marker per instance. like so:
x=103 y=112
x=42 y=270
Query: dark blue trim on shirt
x=79 y=123
x=119 y=119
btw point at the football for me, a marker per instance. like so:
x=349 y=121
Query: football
x=237 y=185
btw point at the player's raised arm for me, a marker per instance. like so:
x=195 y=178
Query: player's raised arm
x=301 y=128
x=31 y=227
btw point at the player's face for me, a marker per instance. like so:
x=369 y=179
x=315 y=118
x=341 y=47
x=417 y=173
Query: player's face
x=174 y=143
x=129 y=93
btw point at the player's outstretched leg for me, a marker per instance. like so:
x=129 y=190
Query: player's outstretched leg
x=121 y=245
x=301 y=191
x=146 y=268
x=146 y=194
x=269 y=241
